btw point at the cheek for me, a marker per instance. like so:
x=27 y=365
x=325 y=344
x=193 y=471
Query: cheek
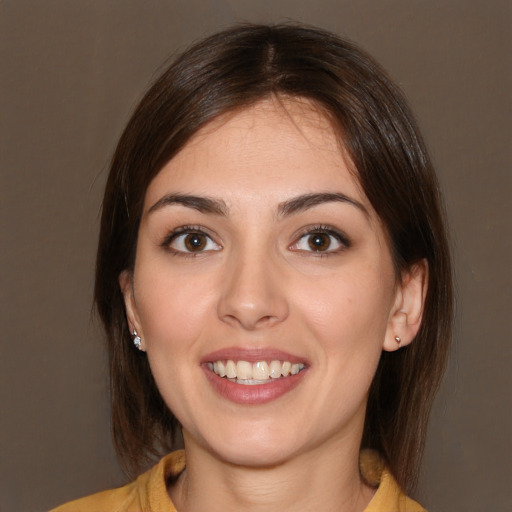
x=349 y=311
x=173 y=307
x=173 y=316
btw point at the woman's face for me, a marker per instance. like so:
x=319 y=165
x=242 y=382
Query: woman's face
x=260 y=257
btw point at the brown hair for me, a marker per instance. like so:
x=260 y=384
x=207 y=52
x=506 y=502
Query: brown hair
x=232 y=70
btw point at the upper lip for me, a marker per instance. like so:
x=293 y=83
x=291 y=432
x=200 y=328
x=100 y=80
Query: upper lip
x=251 y=355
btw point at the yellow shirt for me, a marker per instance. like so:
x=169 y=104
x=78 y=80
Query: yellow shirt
x=149 y=492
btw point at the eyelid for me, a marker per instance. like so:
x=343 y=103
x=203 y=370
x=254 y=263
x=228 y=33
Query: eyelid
x=336 y=233
x=186 y=230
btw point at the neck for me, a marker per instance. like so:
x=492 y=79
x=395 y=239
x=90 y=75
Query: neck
x=323 y=479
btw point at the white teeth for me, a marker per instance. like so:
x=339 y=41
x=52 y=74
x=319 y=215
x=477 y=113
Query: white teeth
x=260 y=372
x=230 y=370
x=275 y=369
x=221 y=369
x=250 y=382
x=243 y=370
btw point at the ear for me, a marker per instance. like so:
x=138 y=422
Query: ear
x=405 y=316
x=126 y=284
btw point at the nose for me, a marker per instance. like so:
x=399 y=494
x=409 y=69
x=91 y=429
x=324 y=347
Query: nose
x=253 y=293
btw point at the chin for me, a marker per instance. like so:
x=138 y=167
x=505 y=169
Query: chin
x=256 y=455
x=252 y=446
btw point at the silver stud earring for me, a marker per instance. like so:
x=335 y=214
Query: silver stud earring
x=398 y=339
x=136 y=340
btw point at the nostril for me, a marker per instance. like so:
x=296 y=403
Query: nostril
x=251 y=297
x=251 y=322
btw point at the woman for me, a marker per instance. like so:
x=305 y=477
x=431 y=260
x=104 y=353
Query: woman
x=274 y=280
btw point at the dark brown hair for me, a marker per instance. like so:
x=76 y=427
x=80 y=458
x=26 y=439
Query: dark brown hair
x=232 y=70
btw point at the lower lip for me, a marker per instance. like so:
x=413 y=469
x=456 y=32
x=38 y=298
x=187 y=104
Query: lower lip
x=254 y=394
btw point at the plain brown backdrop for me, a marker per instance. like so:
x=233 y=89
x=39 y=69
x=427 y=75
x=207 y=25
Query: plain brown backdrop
x=71 y=71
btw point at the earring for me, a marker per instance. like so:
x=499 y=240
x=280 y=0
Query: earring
x=398 y=339
x=136 y=340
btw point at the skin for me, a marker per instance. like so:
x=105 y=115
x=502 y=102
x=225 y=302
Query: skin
x=257 y=284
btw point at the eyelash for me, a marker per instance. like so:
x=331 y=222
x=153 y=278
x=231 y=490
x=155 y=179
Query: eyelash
x=309 y=231
x=185 y=230
x=323 y=229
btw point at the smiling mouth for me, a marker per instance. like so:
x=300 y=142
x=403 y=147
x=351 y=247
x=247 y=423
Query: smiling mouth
x=260 y=372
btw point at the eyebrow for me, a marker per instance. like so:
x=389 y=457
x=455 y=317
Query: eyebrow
x=306 y=201
x=200 y=203
x=290 y=207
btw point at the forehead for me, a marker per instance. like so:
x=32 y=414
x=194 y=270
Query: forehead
x=289 y=116
x=277 y=147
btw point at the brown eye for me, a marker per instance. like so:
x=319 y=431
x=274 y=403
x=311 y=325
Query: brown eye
x=325 y=240
x=319 y=241
x=192 y=242
x=195 y=242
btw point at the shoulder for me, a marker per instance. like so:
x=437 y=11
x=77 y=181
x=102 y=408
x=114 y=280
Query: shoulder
x=388 y=496
x=147 y=493
x=113 y=500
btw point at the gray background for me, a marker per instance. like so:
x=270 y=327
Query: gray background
x=71 y=71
